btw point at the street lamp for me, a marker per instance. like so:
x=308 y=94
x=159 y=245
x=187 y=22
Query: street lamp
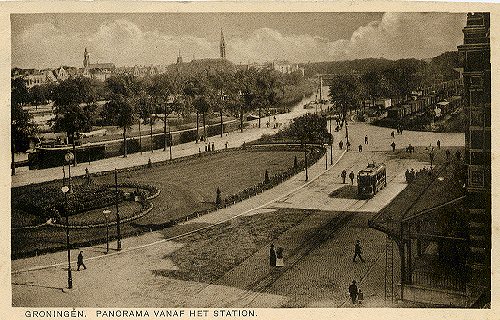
x=65 y=190
x=106 y=215
x=118 y=235
x=331 y=142
x=69 y=157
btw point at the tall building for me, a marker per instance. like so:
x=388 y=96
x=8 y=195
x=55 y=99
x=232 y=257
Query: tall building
x=222 y=46
x=475 y=57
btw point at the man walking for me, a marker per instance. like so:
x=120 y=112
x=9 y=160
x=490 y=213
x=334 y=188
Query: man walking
x=353 y=291
x=343 y=175
x=357 y=252
x=393 y=145
x=351 y=176
x=79 y=263
x=366 y=139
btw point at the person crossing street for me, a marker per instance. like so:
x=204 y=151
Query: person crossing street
x=351 y=176
x=357 y=252
x=79 y=262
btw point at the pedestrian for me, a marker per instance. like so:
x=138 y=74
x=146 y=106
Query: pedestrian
x=353 y=291
x=272 y=256
x=412 y=174
x=366 y=139
x=351 y=176
x=343 y=175
x=213 y=147
x=360 y=296
x=407 y=175
x=347 y=145
x=79 y=262
x=439 y=144
x=357 y=252
x=392 y=134
x=360 y=148
x=279 y=257
x=393 y=145
x=226 y=145
x=341 y=144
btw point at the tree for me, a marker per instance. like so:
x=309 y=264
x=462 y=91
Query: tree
x=120 y=112
x=74 y=107
x=22 y=128
x=309 y=128
x=20 y=94
x=345 y=93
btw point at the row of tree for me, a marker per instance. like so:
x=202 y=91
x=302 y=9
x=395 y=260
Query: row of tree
x=126 y=99
x=379 y=78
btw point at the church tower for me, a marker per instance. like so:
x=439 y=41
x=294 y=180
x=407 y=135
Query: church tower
x=86 y=59
x=222 y=46
x=179 y=57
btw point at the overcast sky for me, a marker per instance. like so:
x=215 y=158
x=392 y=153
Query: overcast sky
x=52 y=40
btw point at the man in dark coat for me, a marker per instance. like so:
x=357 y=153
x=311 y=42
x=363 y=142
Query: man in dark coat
x=343 y=175
x=393 y=145
x=79 y=262
x=272 y=256
x=357 y=252
x=351 y=176
x=353 y=291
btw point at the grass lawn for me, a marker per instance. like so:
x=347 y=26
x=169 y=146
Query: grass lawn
x=185 y=187
x=207 y=256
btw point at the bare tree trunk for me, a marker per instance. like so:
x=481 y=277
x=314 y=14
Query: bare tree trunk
x=140 y=137
x=197 y=126
x=151 y=132
x=241 y=119
x=259 y=115
x=124 y=142
x=74 y=150
x=221 y=124
x=204 y=127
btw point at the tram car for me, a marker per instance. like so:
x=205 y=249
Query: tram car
x=371 y=180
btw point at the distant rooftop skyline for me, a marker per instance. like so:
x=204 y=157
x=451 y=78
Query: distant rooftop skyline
x=51 y=40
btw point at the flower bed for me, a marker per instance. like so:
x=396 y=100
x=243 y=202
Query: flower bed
x=47 y=202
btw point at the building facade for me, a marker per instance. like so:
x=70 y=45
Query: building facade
x=475 y=57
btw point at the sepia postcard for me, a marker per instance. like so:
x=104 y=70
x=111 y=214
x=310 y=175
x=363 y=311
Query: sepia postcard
x=264 y=160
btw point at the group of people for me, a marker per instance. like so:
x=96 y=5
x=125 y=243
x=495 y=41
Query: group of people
x=344 y=175
x=411 y=175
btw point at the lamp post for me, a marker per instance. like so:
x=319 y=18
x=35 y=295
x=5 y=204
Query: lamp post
x=118 y=240
x=331 y=143
x=69 y=157
x=65 y=190
x=106 y=215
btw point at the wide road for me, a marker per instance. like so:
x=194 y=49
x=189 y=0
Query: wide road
x=317 y=271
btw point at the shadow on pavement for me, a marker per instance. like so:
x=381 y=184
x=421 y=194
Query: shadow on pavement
x=346 y=191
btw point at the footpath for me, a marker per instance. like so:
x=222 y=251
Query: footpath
x=233 y=139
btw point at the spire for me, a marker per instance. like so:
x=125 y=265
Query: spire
x=86 y=59
x=222 y=45
x=179 y=57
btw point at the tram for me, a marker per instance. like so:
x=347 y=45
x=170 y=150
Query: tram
x=371 y=180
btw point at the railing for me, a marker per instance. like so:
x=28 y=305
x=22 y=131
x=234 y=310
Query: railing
x=439 y=281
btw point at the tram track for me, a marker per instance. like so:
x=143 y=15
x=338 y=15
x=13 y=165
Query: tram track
x=327 y=231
